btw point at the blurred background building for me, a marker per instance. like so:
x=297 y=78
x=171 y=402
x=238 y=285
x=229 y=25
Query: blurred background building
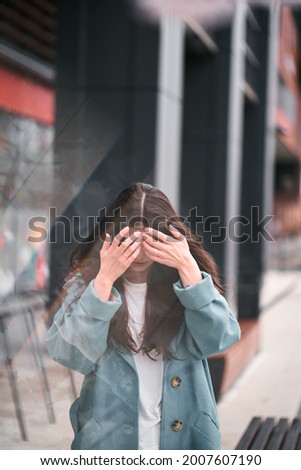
x=203 y=103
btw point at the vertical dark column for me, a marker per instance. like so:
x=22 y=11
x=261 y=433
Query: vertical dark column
x=105 y=115
x=204 y=158
x=251 y=256
x=204 y=152
x=204 y=148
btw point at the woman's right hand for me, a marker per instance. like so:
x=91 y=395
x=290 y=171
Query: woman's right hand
x=115 y=259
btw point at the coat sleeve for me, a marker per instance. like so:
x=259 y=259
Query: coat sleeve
x=211 y=326
x=78 y=335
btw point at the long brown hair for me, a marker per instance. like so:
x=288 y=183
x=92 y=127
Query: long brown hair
x=146 y=204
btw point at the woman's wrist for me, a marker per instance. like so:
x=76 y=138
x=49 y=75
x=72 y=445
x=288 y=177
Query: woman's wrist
x=103 y=287
x=189 y=272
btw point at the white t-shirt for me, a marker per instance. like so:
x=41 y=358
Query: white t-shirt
x=150 y=372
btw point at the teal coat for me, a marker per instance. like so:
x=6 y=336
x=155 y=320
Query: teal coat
x=105 y=416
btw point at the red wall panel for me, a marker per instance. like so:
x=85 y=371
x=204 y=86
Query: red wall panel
x=24 y=97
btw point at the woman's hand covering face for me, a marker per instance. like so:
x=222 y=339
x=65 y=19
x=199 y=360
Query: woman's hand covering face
x=172 y=251
x=118 y=255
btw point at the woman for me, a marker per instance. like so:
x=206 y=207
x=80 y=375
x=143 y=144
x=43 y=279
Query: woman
x=141 y=315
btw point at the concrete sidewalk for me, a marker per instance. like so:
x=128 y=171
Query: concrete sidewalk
x=270 y=386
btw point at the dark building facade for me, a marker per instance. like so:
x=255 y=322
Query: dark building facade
x=159 y=102
x=114 y=105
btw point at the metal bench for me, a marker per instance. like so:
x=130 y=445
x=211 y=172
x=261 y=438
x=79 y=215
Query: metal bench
x=271 y=434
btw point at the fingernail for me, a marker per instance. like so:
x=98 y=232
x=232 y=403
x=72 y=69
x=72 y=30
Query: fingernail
x=137 y=234
x=173 y=228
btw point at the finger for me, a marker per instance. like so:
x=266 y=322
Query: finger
x=159 y=256
x=175 y=232
x=136 y=236
x=156 y=256
x=132 y=248
x=152 y=252
x=135 y=253
x=149 y=241
x=123 y=233
x=106 y=243
x=156 y=233
x=160 y=236
x=128 y=257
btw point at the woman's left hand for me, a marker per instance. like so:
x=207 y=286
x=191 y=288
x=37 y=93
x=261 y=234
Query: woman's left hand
x=172 y=251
